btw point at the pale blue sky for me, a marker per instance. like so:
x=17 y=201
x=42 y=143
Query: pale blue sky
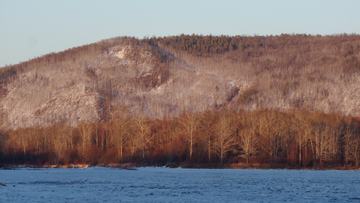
x=31 y=28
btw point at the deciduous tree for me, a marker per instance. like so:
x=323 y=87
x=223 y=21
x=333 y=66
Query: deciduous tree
x=189 y=124
x=224 y=137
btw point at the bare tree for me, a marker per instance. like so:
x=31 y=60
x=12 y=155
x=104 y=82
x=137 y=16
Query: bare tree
x=357 y=151
x=335 y=129
x=86 y=131
x=248 y=142
x=21 y=140
x=208 y=129
x=271 y=127
x=351 y=144
x=225 y=139
x=320 y=140
x=144 y=136
x=300 y=126
x=60 y=138
x=190 y=123
x=122 y=125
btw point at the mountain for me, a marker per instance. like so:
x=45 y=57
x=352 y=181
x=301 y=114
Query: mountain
x=165 y=76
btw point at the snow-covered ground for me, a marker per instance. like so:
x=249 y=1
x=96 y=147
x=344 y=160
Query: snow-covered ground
x=97 y=184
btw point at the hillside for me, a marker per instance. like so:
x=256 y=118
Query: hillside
x=166 y=76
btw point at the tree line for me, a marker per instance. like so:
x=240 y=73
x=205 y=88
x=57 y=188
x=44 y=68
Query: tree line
x=263 y=137
x=209 y=45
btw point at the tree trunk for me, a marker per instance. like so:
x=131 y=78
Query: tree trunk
x=191 y=146
x=300 y=150
x=121 y=147
x=143 y=152
x=221 y=157
x=209 y=151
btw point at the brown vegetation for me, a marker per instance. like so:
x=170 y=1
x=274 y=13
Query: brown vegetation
x=265 y=138
x=187 y=99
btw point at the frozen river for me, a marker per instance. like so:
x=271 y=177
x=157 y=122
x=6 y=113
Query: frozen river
x=99 y=184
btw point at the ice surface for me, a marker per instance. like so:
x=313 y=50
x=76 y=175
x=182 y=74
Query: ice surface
x=97 y=184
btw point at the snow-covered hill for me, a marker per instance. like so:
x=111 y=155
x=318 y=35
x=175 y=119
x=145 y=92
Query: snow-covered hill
x=82 y=84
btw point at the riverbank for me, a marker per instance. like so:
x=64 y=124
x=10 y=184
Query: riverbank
x=131 y=166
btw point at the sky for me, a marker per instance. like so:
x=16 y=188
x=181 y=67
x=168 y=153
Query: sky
x=34 y=28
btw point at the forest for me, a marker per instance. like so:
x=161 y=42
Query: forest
x=261 y=139
x=287 y=48
x=285 y=109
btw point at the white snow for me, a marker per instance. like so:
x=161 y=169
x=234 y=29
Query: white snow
x=97 y=184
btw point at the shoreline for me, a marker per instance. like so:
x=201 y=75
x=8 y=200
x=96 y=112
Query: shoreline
x=129 y=166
